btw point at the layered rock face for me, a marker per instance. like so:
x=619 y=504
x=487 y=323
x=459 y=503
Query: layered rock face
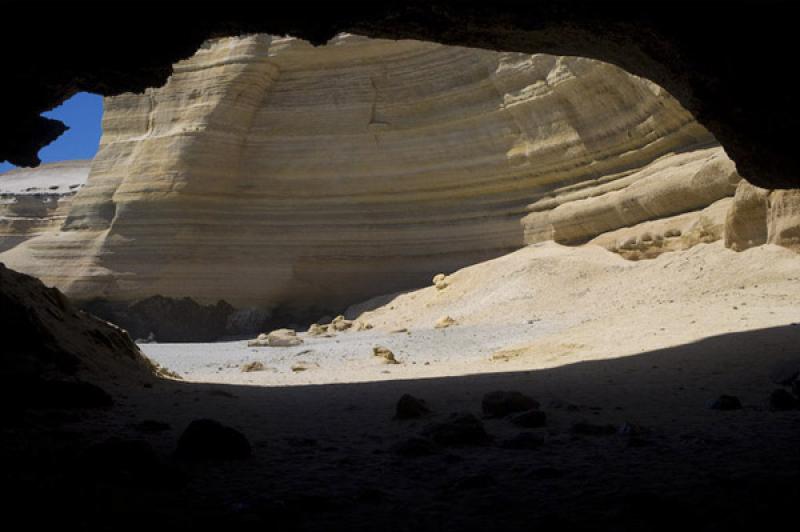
x=272 y=174
x=36 y=201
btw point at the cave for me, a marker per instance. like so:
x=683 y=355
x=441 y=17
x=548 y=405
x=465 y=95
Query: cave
x=439 y=265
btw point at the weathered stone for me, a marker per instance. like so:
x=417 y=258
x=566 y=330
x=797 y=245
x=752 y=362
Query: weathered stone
x=523 y=441
x=585 y=428
x=726 y=402
x=410 y=407
x=781 y=399
x=255 y=365
x=530 y=419
x=502 y=403
x=385 y=354
x=444 y=322
x=416 y=447
x=460 y=429
x=206 y=440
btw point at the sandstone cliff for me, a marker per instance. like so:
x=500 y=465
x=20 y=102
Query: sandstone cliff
x=36 y=200
x=267 y=172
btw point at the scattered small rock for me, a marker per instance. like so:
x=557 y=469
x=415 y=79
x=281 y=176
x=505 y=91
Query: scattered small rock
x=302 y=365
x=786 y=373
x=410 y=407
x=64 y=394
x=523 y=441
x=415 y=447
x=340 y=324
x=726 y=402
x=277 y=338
x=128 y=462
x=584 y=428
x=317 y=330
x=781 y=400
x=530 y=419
x=385 y=354
x=400 y=330
x=501 y=403
x=207 y=439
x=151 y=426
x=475 y=482
x=255 y=365
x=444 y=322
x=460 y=429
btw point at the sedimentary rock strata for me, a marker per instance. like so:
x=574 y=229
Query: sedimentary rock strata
x=46 y=339
x=36 y=200
x=269 y=173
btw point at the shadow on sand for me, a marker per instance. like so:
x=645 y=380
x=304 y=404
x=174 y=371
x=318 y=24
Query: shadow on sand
x=324 y=456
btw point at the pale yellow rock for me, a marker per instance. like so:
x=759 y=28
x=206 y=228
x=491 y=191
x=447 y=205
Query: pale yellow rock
x=277 y=338
x=316 y=329
x=385 y=354
x=648 y=240
x=255 y=365
x=746 y=222
x=444 y=322
x=672 y=185
x=783 y=222
x=303 y=365
x=35 y=201
x=267 y=172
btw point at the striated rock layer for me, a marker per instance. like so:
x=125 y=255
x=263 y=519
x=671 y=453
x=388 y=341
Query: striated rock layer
x=37 y=200
x=269 y=173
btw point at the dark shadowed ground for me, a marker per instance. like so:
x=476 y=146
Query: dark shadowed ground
x=326 y=457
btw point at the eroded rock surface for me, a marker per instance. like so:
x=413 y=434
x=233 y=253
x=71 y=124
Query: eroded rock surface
x=269 y=173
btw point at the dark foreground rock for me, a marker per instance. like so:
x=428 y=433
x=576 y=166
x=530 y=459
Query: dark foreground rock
x=726 y=402
x=54 y=355
x=780 y=400
x=585 y=428
x=410 y=407
x=502 y=403
x=129 y=462
x=415 y=447
x=206 y=440
x=530 y=420
x=65 y=394
x=523 y=441
x=459 y=430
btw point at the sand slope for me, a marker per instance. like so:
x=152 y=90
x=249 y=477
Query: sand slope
x=543 y=306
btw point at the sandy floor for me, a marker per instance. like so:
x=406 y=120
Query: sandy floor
x=643 y=346
x=540 y=307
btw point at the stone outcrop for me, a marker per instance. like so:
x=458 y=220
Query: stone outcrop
x=52 y=348
x=34 y=201
x=760 y=216
x=269 y=173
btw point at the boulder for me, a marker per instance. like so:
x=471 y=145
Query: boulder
x=523 y=441
x=255 y=365
x=726 y=402
x=502 y=403
x=444 y=322
x=385 y=354
x=410 y=407
x=208 y=440
x=460 y=430
x=530 y=419
x=585 y=428
x=277 y=338
x=781 y=400
x=746 y=221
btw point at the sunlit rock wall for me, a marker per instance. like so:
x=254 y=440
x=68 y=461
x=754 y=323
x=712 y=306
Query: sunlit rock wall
x=270 y=173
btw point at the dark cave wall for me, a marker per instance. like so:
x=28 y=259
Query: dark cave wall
x=725 y=61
